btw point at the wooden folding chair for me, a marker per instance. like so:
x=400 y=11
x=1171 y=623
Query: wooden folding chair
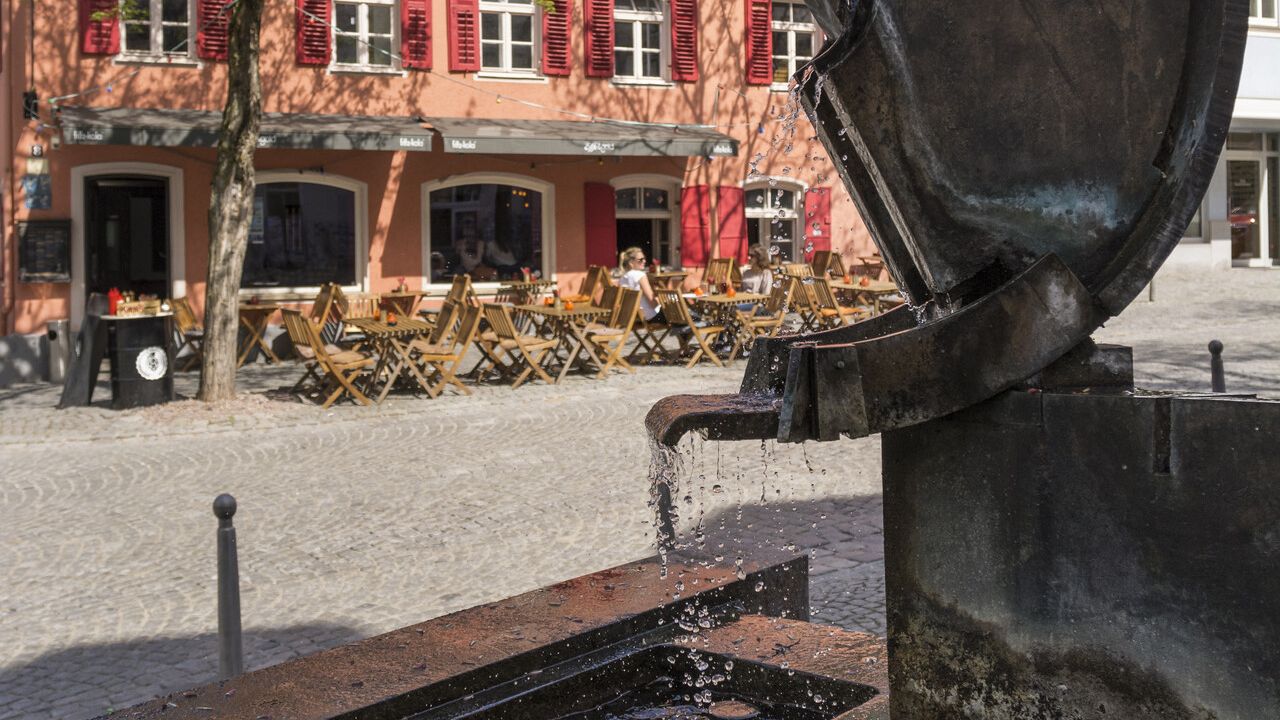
x=719 y=270
x=525 y=351
x=765 y=320
x=827 y=263
x=649 y=337
x=611 y=339
x=797 y=270
x=310 y=383
x=440 y=355
x=188 y=331
x=324 y=312
x=678 y=316
x=595 y=279
x=828 y=311
x=337 y=372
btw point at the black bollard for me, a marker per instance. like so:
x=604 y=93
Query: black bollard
x=1218 y=380
x=230 y=650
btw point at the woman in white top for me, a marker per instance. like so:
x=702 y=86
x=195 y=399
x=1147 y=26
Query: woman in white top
x=631 y=263
x=758 y=277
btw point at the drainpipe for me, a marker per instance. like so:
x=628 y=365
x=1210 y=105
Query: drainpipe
x=8 y=226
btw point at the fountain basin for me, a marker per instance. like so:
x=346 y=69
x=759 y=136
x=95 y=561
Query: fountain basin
x=580 y=643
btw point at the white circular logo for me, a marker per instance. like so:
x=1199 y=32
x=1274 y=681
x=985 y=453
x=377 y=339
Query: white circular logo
x=152 y=362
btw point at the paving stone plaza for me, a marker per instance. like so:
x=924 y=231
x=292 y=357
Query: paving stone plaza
x=355 y=521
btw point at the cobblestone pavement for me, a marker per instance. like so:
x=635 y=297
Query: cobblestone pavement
x=355 y=521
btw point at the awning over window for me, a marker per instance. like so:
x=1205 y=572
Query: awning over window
x=570 y=137
x=199 y=128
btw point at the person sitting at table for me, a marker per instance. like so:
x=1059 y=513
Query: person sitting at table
x=758 y=277
x=634 y=277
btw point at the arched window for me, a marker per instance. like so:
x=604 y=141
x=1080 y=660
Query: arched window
x=305 y=232
x=774 y=210
x=644 y=207
x=489 y=230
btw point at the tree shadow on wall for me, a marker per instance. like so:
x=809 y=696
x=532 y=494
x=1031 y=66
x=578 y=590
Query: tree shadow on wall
x=87 y=680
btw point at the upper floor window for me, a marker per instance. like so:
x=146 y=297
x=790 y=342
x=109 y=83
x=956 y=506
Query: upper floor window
x=1263 y=12
x=507 y=36
x=156 y=28
x=794 y=36
x=773 y=215
x=638 y=46
x=364 y=33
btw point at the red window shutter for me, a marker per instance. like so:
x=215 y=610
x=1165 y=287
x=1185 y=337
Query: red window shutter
x=598 y=17
x=211 y=37
x=464 y=35
x=601 y=224
x=759 y=42
x=817 y=220
x=731 y=215
x=99 y=36
x=695 y=236
x=415 y=34
x=684 y=40
x=312 y=19
x=557 y=56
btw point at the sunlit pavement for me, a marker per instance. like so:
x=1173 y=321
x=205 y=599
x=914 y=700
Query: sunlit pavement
x=354 y=521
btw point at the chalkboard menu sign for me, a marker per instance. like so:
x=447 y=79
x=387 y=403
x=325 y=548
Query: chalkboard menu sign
x=44 y=251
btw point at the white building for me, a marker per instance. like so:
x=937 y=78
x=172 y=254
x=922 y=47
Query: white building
x=1239 y=222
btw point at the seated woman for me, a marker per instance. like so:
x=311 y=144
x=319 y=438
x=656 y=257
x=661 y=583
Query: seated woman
x=631 y=265
x=758 y=277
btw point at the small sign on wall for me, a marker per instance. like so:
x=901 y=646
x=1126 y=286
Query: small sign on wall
x=44 y=251
x=37 y=191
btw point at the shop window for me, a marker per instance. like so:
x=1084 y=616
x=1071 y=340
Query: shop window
x=639 y=43
x=488 y=231
x=156 y=28
x=507 y=36
x=794 y=36
x=364 y=34
x=302 y=235
x=773 y=216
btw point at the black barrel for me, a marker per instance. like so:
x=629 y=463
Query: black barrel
x=141 y=352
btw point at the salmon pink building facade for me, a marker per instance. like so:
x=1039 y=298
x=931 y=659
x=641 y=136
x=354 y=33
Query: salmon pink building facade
x=412 y=139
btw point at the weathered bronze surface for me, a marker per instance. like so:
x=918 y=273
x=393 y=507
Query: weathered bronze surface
x=1058 y=153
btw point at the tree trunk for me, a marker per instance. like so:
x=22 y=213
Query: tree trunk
x=231 y=203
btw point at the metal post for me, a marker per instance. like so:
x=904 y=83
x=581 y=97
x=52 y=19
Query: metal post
x=1151 y=290
x=1217 y=378
x=230 y=650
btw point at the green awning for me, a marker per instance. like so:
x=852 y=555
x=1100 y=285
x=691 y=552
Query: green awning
x=569 y=137
x=199 y=128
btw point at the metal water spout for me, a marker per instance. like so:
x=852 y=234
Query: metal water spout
x=1022 y=178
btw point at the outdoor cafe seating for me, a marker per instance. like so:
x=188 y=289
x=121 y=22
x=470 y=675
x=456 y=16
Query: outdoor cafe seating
x=364 y=347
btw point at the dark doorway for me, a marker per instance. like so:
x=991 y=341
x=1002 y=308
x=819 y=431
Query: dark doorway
x=636 y=233
x=126 y=234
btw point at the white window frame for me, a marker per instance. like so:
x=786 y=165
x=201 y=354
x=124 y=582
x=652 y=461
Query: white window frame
x=1263 y=158
x=548 y=191
x=771 y=212
x=671 y=214
x=156 y=51
x=791 y=28
x=637 y=18
x=361 y=192
x=505 y=10
x=363 y=49
x=1262 y=21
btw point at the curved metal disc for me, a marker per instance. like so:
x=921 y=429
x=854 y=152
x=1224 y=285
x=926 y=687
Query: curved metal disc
x=862 y=386
x=978 y=136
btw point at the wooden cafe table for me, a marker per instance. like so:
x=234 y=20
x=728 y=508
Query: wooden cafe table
x=668 y=279
x=404 y=304
x=254 y=318
x=874 y=289
x=391 y=343
x=568 y=327
x=530 y=291
x=719 y=308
